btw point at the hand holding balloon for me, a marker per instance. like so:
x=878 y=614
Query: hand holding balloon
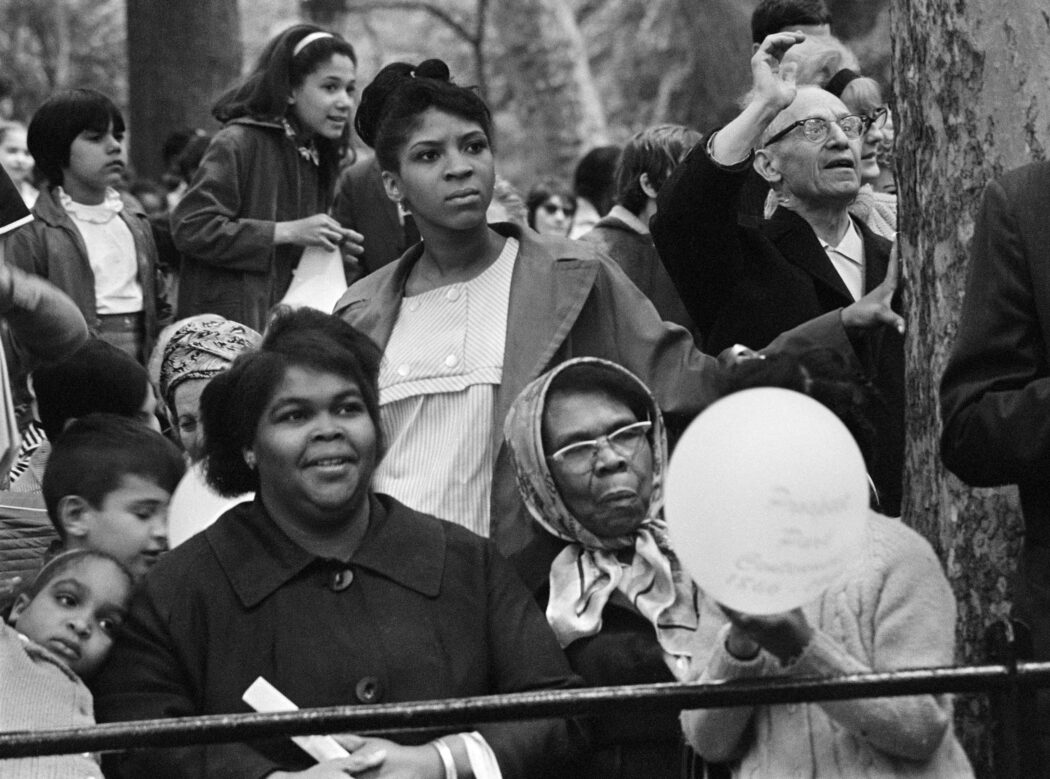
x=785 y=635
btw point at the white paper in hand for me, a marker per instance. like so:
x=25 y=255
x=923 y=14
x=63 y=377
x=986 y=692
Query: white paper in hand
x=767 y=500
x=263 y=696
x=319 y=281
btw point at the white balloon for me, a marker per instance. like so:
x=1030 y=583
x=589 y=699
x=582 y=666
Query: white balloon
x=766 y=500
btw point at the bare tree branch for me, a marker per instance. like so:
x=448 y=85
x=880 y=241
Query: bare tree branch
x=420 y=5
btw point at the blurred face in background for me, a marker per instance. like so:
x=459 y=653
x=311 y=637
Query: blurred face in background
x=14 y=155
x=554 y=216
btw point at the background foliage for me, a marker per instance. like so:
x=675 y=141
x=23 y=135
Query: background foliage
x=642 y=61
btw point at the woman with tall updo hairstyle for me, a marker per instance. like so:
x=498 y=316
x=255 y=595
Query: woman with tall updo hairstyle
x=262 y=191
x=475 y=312
x=333 y=593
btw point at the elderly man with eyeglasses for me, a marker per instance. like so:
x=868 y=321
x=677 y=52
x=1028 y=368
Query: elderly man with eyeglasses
x=743 y=281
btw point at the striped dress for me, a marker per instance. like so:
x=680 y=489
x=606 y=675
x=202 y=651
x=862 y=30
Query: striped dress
x=437 y=396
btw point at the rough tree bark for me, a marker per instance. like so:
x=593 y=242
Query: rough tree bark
x=545 y=62
x=972 y=82
x=181 y=55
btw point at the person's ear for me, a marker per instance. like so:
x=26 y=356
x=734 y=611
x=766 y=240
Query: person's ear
x=20 y=604
x=392 y=185
x=647 y=186
x=767 y=166
x=74 y=516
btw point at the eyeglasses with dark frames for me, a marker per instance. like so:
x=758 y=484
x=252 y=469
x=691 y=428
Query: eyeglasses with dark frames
x=876 y=118
x=817 y=129
x=579 y=457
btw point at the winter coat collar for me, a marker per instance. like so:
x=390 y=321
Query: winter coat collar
x=258 y=558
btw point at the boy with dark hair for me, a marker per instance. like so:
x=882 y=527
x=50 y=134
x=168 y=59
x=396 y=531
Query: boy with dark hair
x=592 y=182
x=107 y=487
x=87 y=238
x=644 y=165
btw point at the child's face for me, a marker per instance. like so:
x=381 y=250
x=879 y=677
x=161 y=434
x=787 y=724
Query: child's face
x=14 y=155
x=324 y=102
x=77 y=614
x=131 y=524
x=96 y=161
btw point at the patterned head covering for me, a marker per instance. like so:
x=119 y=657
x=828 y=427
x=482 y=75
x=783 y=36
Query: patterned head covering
x=523 y=430
x=590 y=569
x=199 y=348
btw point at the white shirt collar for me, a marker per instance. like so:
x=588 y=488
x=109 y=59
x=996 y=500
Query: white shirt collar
x=851 y=246
x=848 y=259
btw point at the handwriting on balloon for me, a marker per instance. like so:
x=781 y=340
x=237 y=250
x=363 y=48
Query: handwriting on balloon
x=820 y=507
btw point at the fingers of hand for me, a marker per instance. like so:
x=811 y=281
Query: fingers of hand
x=779 y=42
x=350 y=741
x=893 y=269
x=895 y=321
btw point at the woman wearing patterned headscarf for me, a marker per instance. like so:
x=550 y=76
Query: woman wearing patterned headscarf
x=589 y=452
x=189 y=354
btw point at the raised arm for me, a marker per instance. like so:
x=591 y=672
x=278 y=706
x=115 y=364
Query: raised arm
x=695 y=227
x=45 y=323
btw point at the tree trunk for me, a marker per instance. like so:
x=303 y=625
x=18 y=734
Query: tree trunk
x=181 y=55
x=546 y=66
x=973 y=97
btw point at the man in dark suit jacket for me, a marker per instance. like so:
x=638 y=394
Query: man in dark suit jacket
x=745 y=282
x=361 y=204
x=995 y=393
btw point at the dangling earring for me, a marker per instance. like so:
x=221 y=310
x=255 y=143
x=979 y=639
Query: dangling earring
x=249 y=460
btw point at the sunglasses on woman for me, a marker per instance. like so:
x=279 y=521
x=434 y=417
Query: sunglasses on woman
x=553 y=208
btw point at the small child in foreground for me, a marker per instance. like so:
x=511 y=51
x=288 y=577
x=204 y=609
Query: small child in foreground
x=60 y=631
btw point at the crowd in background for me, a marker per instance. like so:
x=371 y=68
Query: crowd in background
x=451 y=482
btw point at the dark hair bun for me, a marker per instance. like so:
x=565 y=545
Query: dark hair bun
x=376 y=95
x=435 y=69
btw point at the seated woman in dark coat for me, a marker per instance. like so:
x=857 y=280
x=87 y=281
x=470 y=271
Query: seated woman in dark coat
x=589 y=451
x=330 y=592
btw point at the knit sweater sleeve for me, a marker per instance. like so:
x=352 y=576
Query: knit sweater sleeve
x=912 y=624
x=718 y=734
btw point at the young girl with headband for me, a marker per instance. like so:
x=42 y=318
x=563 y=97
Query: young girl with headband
x=475 y=312
x=263 y=189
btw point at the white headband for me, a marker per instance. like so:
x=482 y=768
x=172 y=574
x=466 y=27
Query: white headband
x=308 y=39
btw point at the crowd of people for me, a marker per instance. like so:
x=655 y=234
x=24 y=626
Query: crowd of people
x=452 y=483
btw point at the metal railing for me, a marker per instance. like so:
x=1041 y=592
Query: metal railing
x=1007 y=679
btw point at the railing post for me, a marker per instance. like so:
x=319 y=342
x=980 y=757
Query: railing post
x=1013 y=708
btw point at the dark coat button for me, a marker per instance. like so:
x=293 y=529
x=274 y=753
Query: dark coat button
x=369 y=690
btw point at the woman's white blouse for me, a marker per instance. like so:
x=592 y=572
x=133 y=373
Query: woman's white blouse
x=437 y=396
